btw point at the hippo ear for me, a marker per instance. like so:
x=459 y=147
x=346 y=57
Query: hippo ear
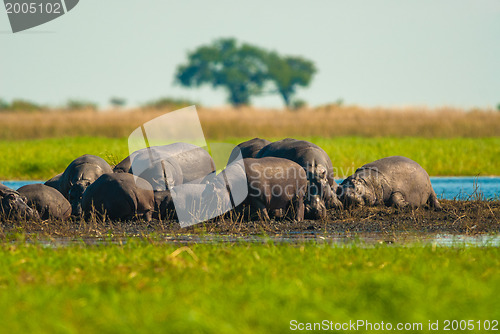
x=321 y=171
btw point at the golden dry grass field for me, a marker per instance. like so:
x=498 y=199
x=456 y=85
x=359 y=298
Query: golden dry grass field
x=220 y=123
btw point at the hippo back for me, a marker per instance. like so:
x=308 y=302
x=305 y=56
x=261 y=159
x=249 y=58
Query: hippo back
x=249 y=148
x=47 y=201
x=195 y=163
x=87 y=167
x=54 y=182
x=119 y=196
x=306 y=154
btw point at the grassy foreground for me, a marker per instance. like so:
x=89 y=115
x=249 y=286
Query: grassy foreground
x=148 y=287
x=43 y=158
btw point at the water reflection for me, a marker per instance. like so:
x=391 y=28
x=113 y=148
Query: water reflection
x=363 y=240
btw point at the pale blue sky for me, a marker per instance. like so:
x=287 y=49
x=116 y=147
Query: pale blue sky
x=369 y=53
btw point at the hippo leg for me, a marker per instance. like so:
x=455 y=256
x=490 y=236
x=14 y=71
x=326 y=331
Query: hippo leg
x=336 y=203
x=147 y=216
x=261 y=210
x=398 y=200
x=433 y=201
x=299 y=209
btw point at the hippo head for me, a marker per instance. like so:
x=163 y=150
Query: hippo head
x=11 y=203
x=355 y=191
x=314 y=208
x=318 y=194
x=75 y=196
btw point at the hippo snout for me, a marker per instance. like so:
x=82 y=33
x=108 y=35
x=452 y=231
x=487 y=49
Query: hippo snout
x=315 y=208
x=18 y=206
x=76 y=209
x=350 y=197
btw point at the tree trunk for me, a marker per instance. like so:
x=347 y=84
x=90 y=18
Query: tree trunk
x=286 y=98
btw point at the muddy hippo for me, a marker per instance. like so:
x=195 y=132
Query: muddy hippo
x=54 y=182
x=393 y=181
x=319 y=169
x=194 y=162
x=47 y=201
x=12 y=204
x=249 y=148
x=152 y=165
x=276 y=185
x=164 y=205
x=80 y=173
x=215 y=195
x=119 y=196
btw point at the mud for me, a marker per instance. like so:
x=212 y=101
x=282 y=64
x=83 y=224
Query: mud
x=456 y=217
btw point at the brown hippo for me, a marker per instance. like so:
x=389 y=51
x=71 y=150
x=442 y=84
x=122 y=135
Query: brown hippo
x=81 y=173
x=182 y=163
x=321 y=188
x=191 y=203
x=54 y=182
x=276 y=185
x=47 y=201
x=249 y=148
x=12 y=204
x=119 y=196
x=393 y=181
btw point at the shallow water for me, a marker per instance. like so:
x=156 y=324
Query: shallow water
x=445 y=187
x=335 y=240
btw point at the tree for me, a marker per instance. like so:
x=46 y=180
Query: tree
x=74 y=104
x=245 y=70
x=287 y=73
x=169 y=102
x=117 y=102
x=224 y=63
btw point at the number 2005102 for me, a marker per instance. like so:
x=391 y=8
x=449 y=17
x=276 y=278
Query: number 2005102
x=33 y=8
x=454 y=325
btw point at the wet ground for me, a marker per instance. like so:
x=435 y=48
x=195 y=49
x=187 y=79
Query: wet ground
x=475 y=222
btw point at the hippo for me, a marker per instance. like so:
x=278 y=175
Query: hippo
x=153 y=166
x=184 y=162
x=119 y=196
x=322 y=188
x=81 y=173
x=249 y=148
x=164 y=205
x=213 y=196
x=276 y=185
x=47 y=201
x=54 y=182
x=12 y=204
x=394 y=181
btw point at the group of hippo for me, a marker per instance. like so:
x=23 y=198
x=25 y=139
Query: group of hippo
x=287 y=178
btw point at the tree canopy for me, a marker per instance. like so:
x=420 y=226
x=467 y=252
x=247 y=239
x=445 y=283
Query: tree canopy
x=245 y=70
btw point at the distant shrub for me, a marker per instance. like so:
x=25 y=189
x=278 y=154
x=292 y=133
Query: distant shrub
x=80 y=105
x=298 y=104
x=24 y=105
x=4 y=105
x=498 y=107
x=117 y=102
x=170 y=103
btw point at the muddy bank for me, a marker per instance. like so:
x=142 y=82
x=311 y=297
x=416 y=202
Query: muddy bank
x=457 y=217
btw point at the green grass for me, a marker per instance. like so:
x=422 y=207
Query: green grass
x=43 y=158
x=146 y=287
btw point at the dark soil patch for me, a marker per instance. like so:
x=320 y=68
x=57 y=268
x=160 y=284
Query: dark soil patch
x=457 y=217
